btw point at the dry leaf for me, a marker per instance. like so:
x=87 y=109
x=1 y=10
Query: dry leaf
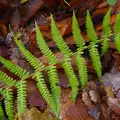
x=94 y=95
x=35 y=114
x=77 y=111
x=86 y=99
x=114 y=105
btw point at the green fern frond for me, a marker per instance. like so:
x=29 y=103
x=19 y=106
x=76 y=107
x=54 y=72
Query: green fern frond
x=52 y=72
x=94 y=54
x=45 y=92
x=117 y=41
x=54 y=85
x=66 y=64
x=117 y=24
x=44 y=48
x=117 y=32
x=59 y=39
x=2 y=116
x=106 y=24
x=21 y=97
x=82 y=69
x=8 y=101
x=35 y=63
x=77 y=33
x=14 y=68
x=6 y=79
x=90 y=29
x=105 y=44
x=106 y=33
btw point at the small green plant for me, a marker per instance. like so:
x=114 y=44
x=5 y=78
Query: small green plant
x=53 y=95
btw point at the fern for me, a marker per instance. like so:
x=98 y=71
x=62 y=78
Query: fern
x=2 y=116
x=21 y=97
x=81 y=63
x=106 y=32
x=52 y=72
x=7 y=80
x=58 y=39
x=94 y=54
x=52 y=96
x=14 y=68
x=117 y=32
x=44 y=48
x=77 y=33
x=65 y=64
x=35 y=63
x=71 y=76
x=45 y=93
x=90 y=29
x=95 y=59
x=54 y=85
x=8 y=100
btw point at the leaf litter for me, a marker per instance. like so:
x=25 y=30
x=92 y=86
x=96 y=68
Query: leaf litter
x=97 y=101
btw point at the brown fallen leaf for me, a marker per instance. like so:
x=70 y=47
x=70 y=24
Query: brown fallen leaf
x=35 y=114
x=109 y=91
x=94 y=96
x=3 y=28
x=34 y=97
x=86 y=99
x=28 y=10
x=114 y=104
x=77 y=111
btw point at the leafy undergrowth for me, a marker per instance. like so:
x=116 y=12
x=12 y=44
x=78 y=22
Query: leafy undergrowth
x=97 y=100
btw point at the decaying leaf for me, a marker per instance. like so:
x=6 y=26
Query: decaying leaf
x=114 y=105
x=65 y=102
x=77 y=111
x=109 y=91
x=94 y=112
x=86 y=99
x=34 y=97
x=94 y=95
x=35 y=114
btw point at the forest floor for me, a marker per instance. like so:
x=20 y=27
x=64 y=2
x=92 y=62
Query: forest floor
x=97 y=101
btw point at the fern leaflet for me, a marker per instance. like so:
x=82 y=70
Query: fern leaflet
x=44 y=48
x=8 y=100
x=117 y=24
x=58 y=39
x=105 y=44
x=106 y=24
x=54 y=85
x=117 y=34
x=35 y=63
x=45 y=92
x=52 y=72
x=90 y=29
x=71 y=77
x=106 y=32
x=82 y=69
x=6 y=79
x=2 y=116
x=77 y=33
x=94 y=54
x=21 y=97
x=14 y=68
